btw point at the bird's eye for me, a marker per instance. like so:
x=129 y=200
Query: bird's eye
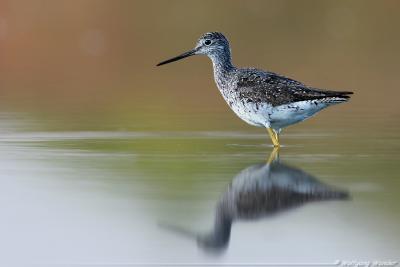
x=207 y=42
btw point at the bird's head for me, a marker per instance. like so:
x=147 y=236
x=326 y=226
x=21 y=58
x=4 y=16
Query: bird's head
x=210 y=44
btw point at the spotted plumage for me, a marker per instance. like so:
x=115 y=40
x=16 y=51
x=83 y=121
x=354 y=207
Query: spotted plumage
x=261 y=98
x=266 y=87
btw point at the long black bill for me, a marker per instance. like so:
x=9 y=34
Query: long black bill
x=187 y=54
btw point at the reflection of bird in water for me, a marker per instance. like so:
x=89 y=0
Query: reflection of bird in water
x=258 y=191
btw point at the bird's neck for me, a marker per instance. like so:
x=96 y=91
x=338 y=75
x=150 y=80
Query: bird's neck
x=223 y=67
x=220 y=235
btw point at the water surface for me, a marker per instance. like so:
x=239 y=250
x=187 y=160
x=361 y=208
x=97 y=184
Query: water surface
x=106 y=159
x=118 y=197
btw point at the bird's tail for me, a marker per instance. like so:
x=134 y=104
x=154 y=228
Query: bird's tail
x=333 y=194
x=338 y=96
x=335 y=99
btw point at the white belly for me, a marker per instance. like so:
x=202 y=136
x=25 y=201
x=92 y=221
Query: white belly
x=264 y=115
x=254 y=114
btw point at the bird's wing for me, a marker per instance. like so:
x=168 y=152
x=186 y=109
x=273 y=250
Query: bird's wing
x=267 y=87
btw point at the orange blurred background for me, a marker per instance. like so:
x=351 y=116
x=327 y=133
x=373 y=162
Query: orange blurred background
x=91 y=64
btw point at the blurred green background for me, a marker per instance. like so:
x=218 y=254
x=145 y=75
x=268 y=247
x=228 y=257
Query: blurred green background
x=90 y=65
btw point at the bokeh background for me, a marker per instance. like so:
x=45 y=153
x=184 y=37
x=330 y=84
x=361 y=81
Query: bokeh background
x=98 y=145
x=91 y=64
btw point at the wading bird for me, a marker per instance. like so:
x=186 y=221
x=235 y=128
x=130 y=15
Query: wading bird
x=258 y=97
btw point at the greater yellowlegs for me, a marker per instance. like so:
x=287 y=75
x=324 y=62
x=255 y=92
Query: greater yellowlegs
x=260 y=191
x=258 y=97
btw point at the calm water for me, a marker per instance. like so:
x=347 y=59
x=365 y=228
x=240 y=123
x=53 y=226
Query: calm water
x=90 y=197
x=106 y=160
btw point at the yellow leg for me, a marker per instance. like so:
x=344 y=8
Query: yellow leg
x=274 y=155
x=274 y=137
